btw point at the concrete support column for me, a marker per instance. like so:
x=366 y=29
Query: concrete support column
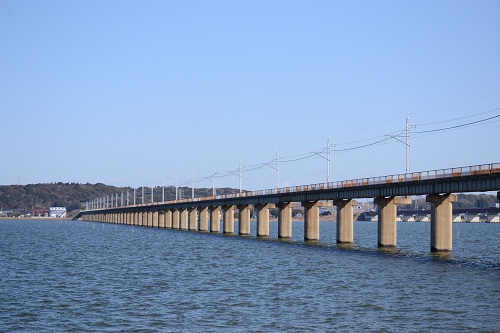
x=149 y=217
x=441 y=221
x=168 y=219
x=285 y=219
x=193 y=218
x=203 y=219
x=228 y=225
x=244 y=219
x=184 y=218
x=155 y=219
x=345 y=220
x=311 y=218
x=176 y=217
x=215 y=219
x=387 y=215
x=263 y=219
x=161 y=220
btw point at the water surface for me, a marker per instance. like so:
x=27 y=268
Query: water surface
x=67 y=276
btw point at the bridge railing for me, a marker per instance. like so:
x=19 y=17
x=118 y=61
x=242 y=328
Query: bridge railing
x=483 y=169
x=390 y=179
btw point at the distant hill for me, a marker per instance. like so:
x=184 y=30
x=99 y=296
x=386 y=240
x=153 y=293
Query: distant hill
x=25 y=198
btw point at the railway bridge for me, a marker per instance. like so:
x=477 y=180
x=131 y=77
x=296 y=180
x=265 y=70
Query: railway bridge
x=204 y=214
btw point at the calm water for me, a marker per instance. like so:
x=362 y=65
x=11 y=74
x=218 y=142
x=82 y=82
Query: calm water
x=91 y=277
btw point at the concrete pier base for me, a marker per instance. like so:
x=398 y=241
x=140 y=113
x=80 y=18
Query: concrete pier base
x=387 y=214
x=168 y=219
x=285 y=219
x=215 y=219
x=311 y=218
x=263 y=219
x=161 y=219
x=244 y=219
x=193 y=218
x=176 y=218
x=228 y=224
x=441 y=221
x=345 y=220
x=155 y=220
x=184 y=218
x=203 y=212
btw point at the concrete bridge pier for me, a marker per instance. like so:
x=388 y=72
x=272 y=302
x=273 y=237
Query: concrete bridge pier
x=168 y=219
x=311 y=218
x=345 y=220
x=441 y=221
x=176 y=217
x=263 y=219
x=228 y=225
x=387 y=215
x=193 y=218
x=156 y=221
x=161 y=219
x=285 y=219
x=215 y=219
x=244 y=219
x=203 y=219
x=184 y=218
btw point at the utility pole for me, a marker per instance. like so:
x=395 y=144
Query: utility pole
x=408 y=150
x=213 y=181
x=192 y=188
x=176 y=188
x=328 y=159
x=240 y=177
x=277 y=167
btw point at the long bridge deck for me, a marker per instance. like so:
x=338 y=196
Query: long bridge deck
x=192 y=214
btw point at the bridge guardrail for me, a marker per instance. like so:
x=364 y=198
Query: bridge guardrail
x=474 y=170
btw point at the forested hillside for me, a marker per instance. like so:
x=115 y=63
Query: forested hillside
x=25 y=198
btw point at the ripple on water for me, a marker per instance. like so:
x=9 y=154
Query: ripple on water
x=88 y=277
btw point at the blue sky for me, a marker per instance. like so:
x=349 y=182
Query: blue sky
x=133 y=93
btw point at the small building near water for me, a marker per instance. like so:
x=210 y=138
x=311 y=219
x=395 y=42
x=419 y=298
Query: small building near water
x=57 y=212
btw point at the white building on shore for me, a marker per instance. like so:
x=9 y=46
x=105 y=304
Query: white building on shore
x=57 y=212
